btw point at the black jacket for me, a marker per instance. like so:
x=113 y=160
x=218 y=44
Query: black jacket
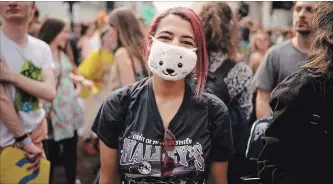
x=303 y=117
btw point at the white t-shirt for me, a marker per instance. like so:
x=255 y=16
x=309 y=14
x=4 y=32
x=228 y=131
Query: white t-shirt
x=17 y=58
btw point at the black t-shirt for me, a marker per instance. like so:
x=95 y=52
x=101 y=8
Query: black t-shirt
x=200 y=132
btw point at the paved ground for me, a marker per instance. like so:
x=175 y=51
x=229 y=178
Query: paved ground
x=86 y=169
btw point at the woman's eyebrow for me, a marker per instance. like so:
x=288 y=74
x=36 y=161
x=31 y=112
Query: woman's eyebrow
x=187 y=36
x=167 y=32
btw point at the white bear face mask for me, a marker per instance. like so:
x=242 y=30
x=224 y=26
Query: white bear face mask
x=171 y=62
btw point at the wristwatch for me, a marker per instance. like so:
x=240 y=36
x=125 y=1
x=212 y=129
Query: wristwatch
x=23 y=140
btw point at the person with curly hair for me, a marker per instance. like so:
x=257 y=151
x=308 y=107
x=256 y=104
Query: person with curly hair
x=228 y=78
x=302 y=114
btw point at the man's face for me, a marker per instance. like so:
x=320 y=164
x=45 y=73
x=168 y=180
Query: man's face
x=15 y=11
x=303 y=16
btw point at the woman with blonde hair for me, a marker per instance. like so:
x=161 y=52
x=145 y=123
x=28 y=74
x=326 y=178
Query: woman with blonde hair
x=260 y=43
x=129 y=45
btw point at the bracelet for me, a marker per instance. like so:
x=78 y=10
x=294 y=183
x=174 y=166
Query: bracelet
x=25 y=141
x=21 y=138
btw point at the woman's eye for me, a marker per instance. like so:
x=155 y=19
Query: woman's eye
x=188 y=43
x=164 y=37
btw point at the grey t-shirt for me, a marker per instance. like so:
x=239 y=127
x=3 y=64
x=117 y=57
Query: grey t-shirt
x=279 y=62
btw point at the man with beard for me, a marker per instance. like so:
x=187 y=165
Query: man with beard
x=303 y=121
x=26 y=76
x=284 y=59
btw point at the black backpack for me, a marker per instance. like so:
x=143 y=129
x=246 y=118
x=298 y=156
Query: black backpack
x=240 y=125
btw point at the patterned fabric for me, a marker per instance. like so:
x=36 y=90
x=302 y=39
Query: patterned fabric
x=238 y=81
x=66 y=115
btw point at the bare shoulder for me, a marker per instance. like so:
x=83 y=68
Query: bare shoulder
x=121 y=52
x=122 y=56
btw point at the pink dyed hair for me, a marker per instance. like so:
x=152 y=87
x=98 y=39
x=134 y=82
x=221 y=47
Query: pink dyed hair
x=202 y=62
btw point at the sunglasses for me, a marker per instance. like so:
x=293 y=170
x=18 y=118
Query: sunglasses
x=169 y=144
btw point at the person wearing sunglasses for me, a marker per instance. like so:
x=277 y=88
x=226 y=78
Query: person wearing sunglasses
x=165 y=129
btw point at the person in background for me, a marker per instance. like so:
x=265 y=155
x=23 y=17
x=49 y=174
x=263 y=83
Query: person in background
x=284 y=59
x=228 y=78
x=34 y=25
x=140 y=124
x=96 y=68
x=83 y=45
x=260 y=43
x=76 y=35
x=245 y=41
x=302 y=113
x=129 y=43
x=64 y=113
x=285 y=34
x=95 y=41
x=26 y=77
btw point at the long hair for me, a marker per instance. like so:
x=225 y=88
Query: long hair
x=202 y=61
x=320 y=59
x=50 y=29
x=130 y=34
x=220 y=28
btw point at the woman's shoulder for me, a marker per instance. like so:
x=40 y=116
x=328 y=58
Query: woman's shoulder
x=298 y=85
x=121 y=52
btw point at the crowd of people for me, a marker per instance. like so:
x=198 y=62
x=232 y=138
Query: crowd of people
x=172 y=102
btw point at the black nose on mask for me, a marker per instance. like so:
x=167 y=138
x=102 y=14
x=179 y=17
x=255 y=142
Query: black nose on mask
x=170 y=71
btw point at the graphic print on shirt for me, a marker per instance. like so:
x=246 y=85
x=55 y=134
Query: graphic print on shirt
x=23 y=100
x=144 y=159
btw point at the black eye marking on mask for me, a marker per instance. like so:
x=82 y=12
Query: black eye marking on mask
x=181 y=57
x=160 y=63
x=180 y=65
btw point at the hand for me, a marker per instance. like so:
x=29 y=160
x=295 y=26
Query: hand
x=88 y=84
x=78 y=89
x=6 y=74
x=40 y=133
x=34 y=154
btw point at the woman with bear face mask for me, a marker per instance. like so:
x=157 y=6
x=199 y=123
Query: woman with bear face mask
x=162 y=129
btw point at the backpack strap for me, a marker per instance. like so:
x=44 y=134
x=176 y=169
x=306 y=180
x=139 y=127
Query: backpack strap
x=221 y=73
